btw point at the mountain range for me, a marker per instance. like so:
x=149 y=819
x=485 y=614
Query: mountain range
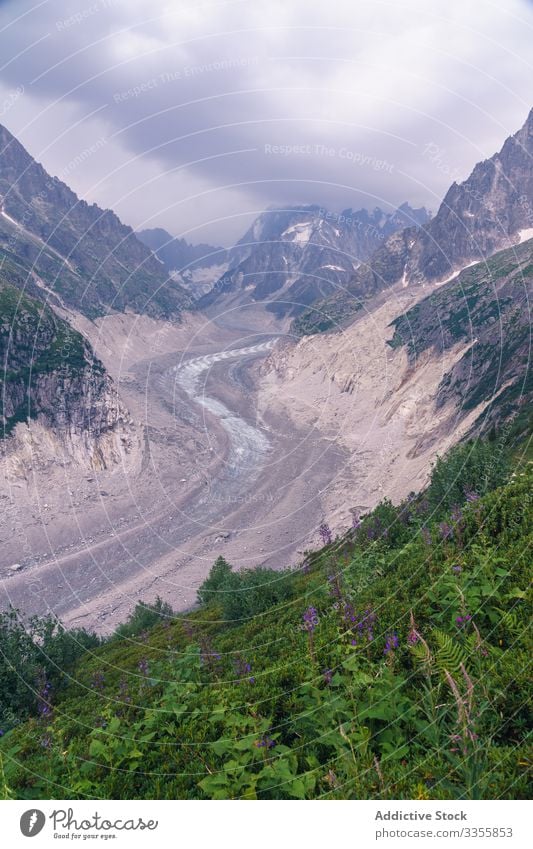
x=491 y=210
x=291 y=257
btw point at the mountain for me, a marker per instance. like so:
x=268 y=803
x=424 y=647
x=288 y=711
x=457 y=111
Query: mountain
x=289 y=258
x=178 y=254
x=491 y=210
x=51 y=376
x=487 y=308
x=195 y=267
x=77 y=254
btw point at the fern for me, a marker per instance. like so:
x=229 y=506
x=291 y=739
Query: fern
x=449 y=655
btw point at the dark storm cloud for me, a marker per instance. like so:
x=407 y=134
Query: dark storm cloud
x=286 y=102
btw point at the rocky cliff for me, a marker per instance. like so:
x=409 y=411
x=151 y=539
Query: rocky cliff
x=58 y=402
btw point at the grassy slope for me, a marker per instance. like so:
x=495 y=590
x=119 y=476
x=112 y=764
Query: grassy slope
x=176 y=712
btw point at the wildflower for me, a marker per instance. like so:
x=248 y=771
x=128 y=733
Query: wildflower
x=446 y=531
x=98 y=681
x=456 y=514
x=44 y=707
x=265 y=742
x=457 y=569
x=471 y=496
x=335 y=585
x=327 y=675
x=243 y=669
x=325 y=533
x=412 y=637
x=391 y=643
x=143 y=666
x=310 y=619
x=461 y=621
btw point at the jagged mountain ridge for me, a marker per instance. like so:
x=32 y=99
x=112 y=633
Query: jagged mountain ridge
x=488 y=212
x=75 y=253
x=178 y=254
x=291 y=257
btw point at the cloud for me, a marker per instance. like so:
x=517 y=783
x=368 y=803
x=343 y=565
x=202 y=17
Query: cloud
x=211 y=112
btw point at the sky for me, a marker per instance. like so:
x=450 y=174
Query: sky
x=197 y=116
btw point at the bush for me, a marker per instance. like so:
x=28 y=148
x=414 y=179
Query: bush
x=477 y=467
x=38 y=651
x=243 y=594
x=215 y=581
x=144 y=617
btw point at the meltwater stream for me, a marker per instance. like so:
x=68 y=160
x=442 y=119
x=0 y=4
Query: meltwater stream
x=248 y=445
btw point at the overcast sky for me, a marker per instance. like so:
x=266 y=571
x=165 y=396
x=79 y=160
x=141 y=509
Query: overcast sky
x=194 y=116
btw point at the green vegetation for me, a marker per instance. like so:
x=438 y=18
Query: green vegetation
x=34 y=343
x=394 y=663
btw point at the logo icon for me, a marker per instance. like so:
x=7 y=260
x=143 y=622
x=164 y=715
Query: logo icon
x=32 y=822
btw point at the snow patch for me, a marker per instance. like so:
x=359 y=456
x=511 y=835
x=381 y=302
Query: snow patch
x=456 y=273
x=302 y=232
x=524 y=235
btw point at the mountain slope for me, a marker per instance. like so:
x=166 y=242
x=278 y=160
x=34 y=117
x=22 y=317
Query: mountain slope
x=83 y=255
x=490 y=211
x=292 y=257
x=178 y=254
x=50 y=376
x=488 y=304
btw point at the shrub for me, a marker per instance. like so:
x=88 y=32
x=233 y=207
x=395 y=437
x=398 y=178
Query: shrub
x=144 y=617
x=243 y=594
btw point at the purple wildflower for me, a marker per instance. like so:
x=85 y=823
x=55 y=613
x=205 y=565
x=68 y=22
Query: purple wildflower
x=243 y=669
x=446 y=531
x=325 y=533
x=265 y=742
x=457 y=569
x=310 y=619
x=143 y=666
x=457 y=514
x=471 y=496
x=461 y=621
x=98 y=681
x=391 y=643
x=412 y=637
x=44 y=707
x=327 y=675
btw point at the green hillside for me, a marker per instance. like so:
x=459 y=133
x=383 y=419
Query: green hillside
x=393 y=664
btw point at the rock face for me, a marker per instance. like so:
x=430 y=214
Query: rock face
x=290 y=258
x=488 y=306
x=76 y=253
x=412 y=375
x=53 y=386
x=490 y=211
